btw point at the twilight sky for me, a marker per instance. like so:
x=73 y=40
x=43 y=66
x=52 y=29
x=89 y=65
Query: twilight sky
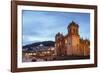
x=44 y=25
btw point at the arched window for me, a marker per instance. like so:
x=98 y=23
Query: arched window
x=74 y=30
x=65 y=41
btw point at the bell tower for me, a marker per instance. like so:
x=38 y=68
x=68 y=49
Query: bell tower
x=73 y=28
x=73 y=39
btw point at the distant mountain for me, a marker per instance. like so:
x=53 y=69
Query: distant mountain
x=44 y=43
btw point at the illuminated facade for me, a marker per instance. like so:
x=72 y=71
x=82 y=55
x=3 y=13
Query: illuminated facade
x=71 y=43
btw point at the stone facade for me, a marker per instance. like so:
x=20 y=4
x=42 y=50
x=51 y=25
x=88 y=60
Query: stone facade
x=71 y=43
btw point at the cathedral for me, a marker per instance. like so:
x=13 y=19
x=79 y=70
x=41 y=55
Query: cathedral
x=72 y=44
